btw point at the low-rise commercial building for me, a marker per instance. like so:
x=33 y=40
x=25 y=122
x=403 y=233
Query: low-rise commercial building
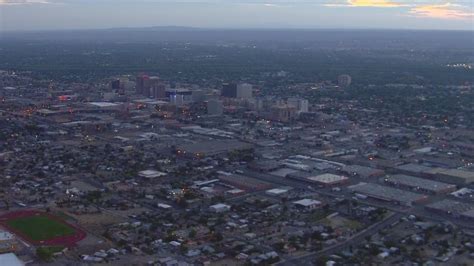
x=212 y=148
x=362 y=171
x=324 y=179
x=450 y=207
x=219 y=208
x=419 y=184
x=389 y=194
x=308 y=204
x=277 y=192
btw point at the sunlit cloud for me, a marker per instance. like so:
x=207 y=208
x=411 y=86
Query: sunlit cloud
x=442 y=11
x=373 y=3
x=366 y=3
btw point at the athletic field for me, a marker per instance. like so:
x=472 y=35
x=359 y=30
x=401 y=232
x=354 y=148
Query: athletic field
x=40 y=228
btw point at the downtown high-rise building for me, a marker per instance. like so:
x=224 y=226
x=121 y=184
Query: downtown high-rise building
x=143 y=85
x=229 y=90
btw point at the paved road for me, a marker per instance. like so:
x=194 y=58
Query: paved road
x=417 y=210
x=354 y=240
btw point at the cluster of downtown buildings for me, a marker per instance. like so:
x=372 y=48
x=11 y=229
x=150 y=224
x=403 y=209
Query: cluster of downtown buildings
x=179 y=174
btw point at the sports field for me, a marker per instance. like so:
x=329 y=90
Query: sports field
x=39 y=228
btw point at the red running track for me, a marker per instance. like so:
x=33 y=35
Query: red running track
x=67 y=241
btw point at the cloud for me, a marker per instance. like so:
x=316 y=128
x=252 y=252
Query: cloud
x=22 y=2
x=271 y=5
x=442 y=11
x=373 y=3
x=367 y=3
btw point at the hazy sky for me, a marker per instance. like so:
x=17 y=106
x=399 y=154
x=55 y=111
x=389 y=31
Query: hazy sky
x=80 y=14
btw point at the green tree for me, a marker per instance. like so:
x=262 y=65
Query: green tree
x=44 y=254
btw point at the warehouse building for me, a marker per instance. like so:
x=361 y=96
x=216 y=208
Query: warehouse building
x=264 y=166
x=419 y=184
x=450 y=207
x=219 y=208
x=326 y=180
x=469 y=215
x=277 y=192
x=362 y=171
x=307 y=204
x=389 y=194
x=212 y=148
x=453 y=176
x=244 y=182
x=414 y=169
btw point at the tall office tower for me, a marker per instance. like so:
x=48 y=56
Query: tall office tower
x=344 y=80
x=283 y=113
x=124 y=84
x=115 y=85
x=157 y=88
x=244 y=90
x=143 y=85
x=301 y=105
x=214 y=107
x=229 y=90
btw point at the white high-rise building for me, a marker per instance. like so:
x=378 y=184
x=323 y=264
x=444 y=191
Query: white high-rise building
x=244 y=90
x=301 y=105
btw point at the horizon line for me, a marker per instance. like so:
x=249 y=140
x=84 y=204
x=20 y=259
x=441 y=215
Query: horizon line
x=232 y=28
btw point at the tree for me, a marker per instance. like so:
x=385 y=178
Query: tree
x=44 y=254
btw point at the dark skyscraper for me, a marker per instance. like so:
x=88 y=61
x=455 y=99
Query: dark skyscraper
x=158 y=89
x=143 y=85
x=115 y=85
x=229 y=90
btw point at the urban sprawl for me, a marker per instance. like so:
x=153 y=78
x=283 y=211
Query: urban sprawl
x=139 y=170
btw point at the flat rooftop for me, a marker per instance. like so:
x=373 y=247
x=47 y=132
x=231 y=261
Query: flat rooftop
x=283 y=172
x=416 y=182
x=103 y=104
x=277 y=191
x=328 y=178
x=387 y=193
x=414 y=168
x=307 y=202
x=363 y=171
x=151 y=174
x=244 y=182
x=468 y=214
x=468 y=176
x=451 y=206
x=214 y=147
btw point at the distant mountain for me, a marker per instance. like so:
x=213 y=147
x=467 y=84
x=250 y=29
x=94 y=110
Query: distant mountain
x=154 y=28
